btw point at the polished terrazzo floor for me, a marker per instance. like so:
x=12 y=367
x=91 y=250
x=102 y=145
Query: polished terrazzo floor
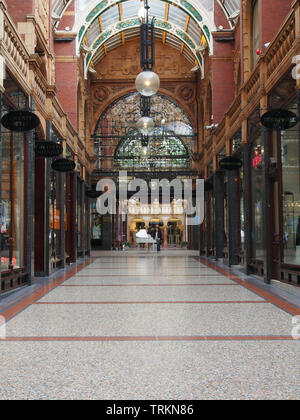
x=149 y=327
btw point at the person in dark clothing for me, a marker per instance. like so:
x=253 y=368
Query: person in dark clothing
x=157 y=235
x=298 y=232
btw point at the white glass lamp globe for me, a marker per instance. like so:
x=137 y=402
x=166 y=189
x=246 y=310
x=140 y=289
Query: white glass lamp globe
x=147 y=83
x=144 y=150
x=145 y=125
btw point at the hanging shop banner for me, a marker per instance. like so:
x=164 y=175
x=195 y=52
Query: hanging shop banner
x=63 y=165
x=230 y=163
x=279 y=119
x=20 y=121
x=48 y=149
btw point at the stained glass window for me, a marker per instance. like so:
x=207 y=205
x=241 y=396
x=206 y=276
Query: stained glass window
x=117 y=139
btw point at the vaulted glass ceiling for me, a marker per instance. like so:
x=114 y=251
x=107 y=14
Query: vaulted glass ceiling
x=185 y=25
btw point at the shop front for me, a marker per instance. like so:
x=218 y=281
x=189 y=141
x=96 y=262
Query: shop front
x=15 y=239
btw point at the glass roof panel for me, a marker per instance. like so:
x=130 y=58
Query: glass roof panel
x=183 y=19
x=130 y=9
x=194 y=31
x=177 y=16
x=110 y=17
x=157 y=9
x=231 y=6
x=93 y=32
x=58 y=6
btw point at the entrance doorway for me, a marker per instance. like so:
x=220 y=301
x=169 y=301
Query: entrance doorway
x=175 y=232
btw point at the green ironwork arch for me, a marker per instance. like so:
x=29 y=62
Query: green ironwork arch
x=104 y=5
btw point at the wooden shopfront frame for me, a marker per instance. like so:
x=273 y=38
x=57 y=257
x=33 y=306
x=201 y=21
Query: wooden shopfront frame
x=16 y=277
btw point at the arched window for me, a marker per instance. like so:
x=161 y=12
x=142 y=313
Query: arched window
x=119 y=145
x=164 y=150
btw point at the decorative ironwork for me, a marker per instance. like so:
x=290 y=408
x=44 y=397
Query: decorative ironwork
x=118 y=144
x=147 y=41
x=63 y=165
x=164 y=150
x=48 y=149
x=20 y=121
x=145 y=106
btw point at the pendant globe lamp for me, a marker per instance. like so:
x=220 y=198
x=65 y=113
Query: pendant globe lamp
x=145 y=125
x=147 y=82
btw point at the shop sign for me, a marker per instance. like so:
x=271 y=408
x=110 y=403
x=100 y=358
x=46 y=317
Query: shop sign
x=279 y=119
x=48 y=149
x=63 y=165
x=91 y=193
x=20 y=121
x=230 y=163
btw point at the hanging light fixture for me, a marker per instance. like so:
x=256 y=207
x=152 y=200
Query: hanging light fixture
x=145 y=142
x=147 y=82
x=145 y=124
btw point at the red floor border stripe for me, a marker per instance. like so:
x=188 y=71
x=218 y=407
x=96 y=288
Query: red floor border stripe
x=150 y=285
x=154 y=338
x=29 y=300
x=277 y=301
x=150 y=302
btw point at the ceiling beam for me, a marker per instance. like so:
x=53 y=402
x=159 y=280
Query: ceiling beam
x=100 y=23
x=167 y=10
x=185 y=30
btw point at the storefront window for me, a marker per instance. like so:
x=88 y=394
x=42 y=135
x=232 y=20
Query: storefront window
x=291 y=194
x=12 y=201
x=96 y=226
x=79 y=215
x=257 y=187
x=225 y=198
x=242 y=213
x=55 y=217
x=212 y=221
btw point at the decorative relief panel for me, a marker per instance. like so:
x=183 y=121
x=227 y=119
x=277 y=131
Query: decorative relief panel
x=42 y=15
x=119 y=63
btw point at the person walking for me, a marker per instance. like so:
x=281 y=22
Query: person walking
x=157 y=235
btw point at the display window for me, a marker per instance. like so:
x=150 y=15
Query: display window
x=257 y=193
x=12 y=197
x=290 y=161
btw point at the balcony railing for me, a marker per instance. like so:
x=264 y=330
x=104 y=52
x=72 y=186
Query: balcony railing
x=267 y=72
